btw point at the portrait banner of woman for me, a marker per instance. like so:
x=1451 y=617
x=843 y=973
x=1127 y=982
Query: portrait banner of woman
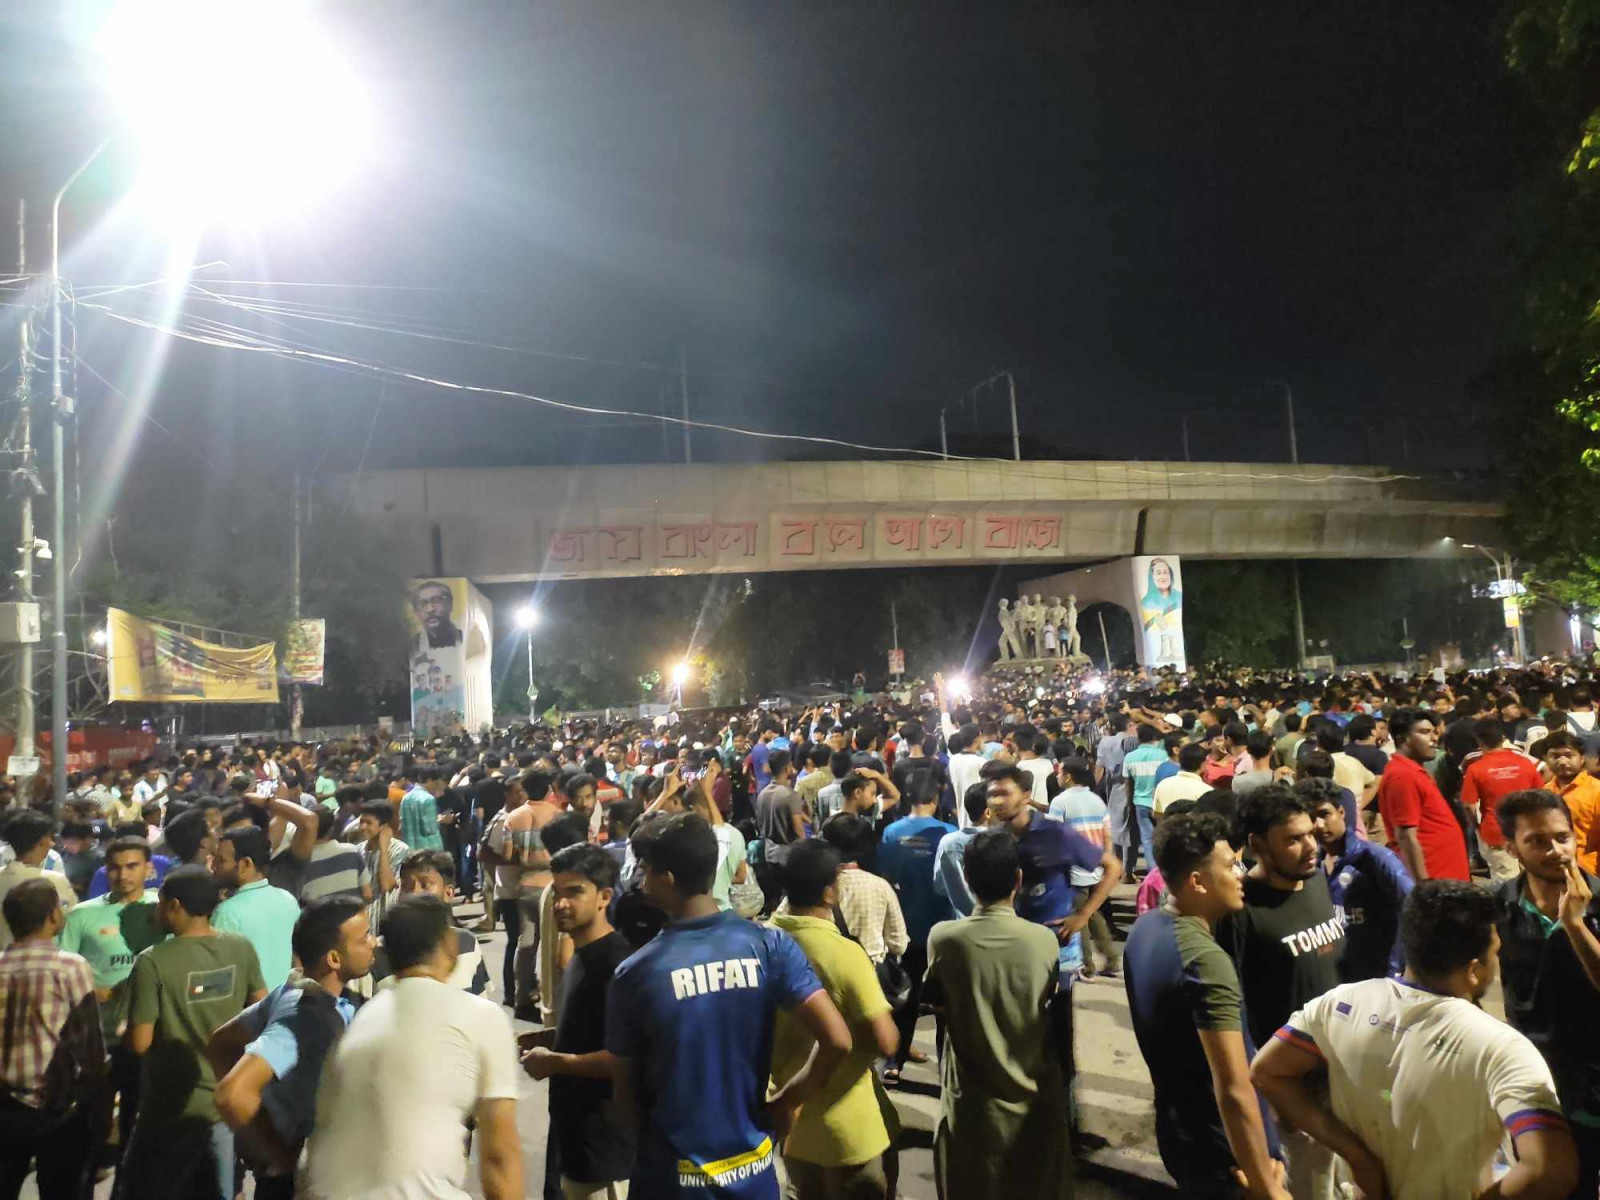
x=1158 y=585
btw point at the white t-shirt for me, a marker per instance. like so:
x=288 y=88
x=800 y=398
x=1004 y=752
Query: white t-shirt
x=398 y=1088
x=1185 y=785
x=964 y=768
x=1038 y=770
x=1430 y=1083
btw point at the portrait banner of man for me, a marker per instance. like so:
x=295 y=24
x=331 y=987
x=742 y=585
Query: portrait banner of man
x=452 y=633
x=436 y=612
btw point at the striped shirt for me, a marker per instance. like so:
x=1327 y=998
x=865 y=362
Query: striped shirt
x=381 y=900
x=334 y=869
x=49 y=1024
x=1085 y=814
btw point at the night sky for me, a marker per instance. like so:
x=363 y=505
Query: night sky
x=847 y=214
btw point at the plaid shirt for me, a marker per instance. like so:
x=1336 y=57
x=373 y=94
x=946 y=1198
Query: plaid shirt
x=871 y=912
x=49 y=1025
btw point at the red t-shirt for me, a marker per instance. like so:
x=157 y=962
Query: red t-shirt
x=1408 y=797
x=1491 y=776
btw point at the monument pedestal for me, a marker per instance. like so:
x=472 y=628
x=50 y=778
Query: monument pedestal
x=1038 y=666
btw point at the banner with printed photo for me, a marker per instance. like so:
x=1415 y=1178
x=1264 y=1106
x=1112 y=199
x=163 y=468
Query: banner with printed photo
x=149 y=662
x=305 y=651
x=452 y=639
x=1158 y=601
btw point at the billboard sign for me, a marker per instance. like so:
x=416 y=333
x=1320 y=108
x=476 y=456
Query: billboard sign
x=148 y=662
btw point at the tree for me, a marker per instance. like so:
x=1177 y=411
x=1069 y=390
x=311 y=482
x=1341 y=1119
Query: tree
x=1553 y=46
x=1238 y=612
x=1550 y=397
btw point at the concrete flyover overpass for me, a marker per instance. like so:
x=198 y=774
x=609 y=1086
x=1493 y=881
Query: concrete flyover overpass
x=518 y=524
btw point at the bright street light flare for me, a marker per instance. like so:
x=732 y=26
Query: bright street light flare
x=527 y=617
x=240 y=107
x=680 y=674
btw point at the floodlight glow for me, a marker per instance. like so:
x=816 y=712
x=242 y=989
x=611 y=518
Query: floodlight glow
x=98 y=637
x=1094 y=685
x=959 y=687
x=680 y=673
x=240 y=107
x=527 y=617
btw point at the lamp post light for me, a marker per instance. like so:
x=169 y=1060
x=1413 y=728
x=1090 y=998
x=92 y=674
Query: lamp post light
x=1505 y=573
x=527 y=621
x=289 y=110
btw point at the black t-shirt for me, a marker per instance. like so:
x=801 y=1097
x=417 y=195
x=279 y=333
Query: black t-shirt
x=593 y=1146
x=1368 y=755
x=905 y=767
x=1287 y=947
x=457 y=801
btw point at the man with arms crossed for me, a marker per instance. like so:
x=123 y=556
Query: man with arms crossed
x=268 y=1060
x=1424 y=1084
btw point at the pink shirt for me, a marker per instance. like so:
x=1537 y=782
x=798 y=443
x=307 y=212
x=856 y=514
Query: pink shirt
x=1151 y=889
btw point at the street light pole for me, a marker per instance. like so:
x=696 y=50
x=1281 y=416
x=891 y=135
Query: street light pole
x=25 y=699
x=62 y=411
x=1016 y=439
x=1504 y=572
x=531 y=713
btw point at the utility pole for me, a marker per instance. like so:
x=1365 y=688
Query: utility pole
x=1105 y=642
x=1016 y=439
x=1294 y=563
x=1299 y=615
x=894 y=616
x=683 y=388
x=63 y=411
x=1288 y=405
x=24 y=478
x=296 y=696
x=1507 y=572
x=944 y=444
x=1186 y=457
x=533 y=695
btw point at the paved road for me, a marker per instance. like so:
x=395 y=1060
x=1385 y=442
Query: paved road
x=1113 y=1097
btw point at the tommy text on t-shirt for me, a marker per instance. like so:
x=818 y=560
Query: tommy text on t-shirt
x=1320 y=937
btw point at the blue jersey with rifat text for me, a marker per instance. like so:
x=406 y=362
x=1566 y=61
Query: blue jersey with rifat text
x=693 y=1011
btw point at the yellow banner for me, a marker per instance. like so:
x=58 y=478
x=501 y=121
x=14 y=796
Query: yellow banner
x=148 y=662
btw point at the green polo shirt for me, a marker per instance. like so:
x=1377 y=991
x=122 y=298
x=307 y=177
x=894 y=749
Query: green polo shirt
x=109 y=934
x=264 y=915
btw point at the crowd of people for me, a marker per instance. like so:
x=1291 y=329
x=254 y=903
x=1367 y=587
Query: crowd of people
x=723 y=928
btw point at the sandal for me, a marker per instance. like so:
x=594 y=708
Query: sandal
x=891 y=1075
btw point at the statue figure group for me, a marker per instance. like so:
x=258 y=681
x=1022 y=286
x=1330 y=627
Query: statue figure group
x=1034 y=630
